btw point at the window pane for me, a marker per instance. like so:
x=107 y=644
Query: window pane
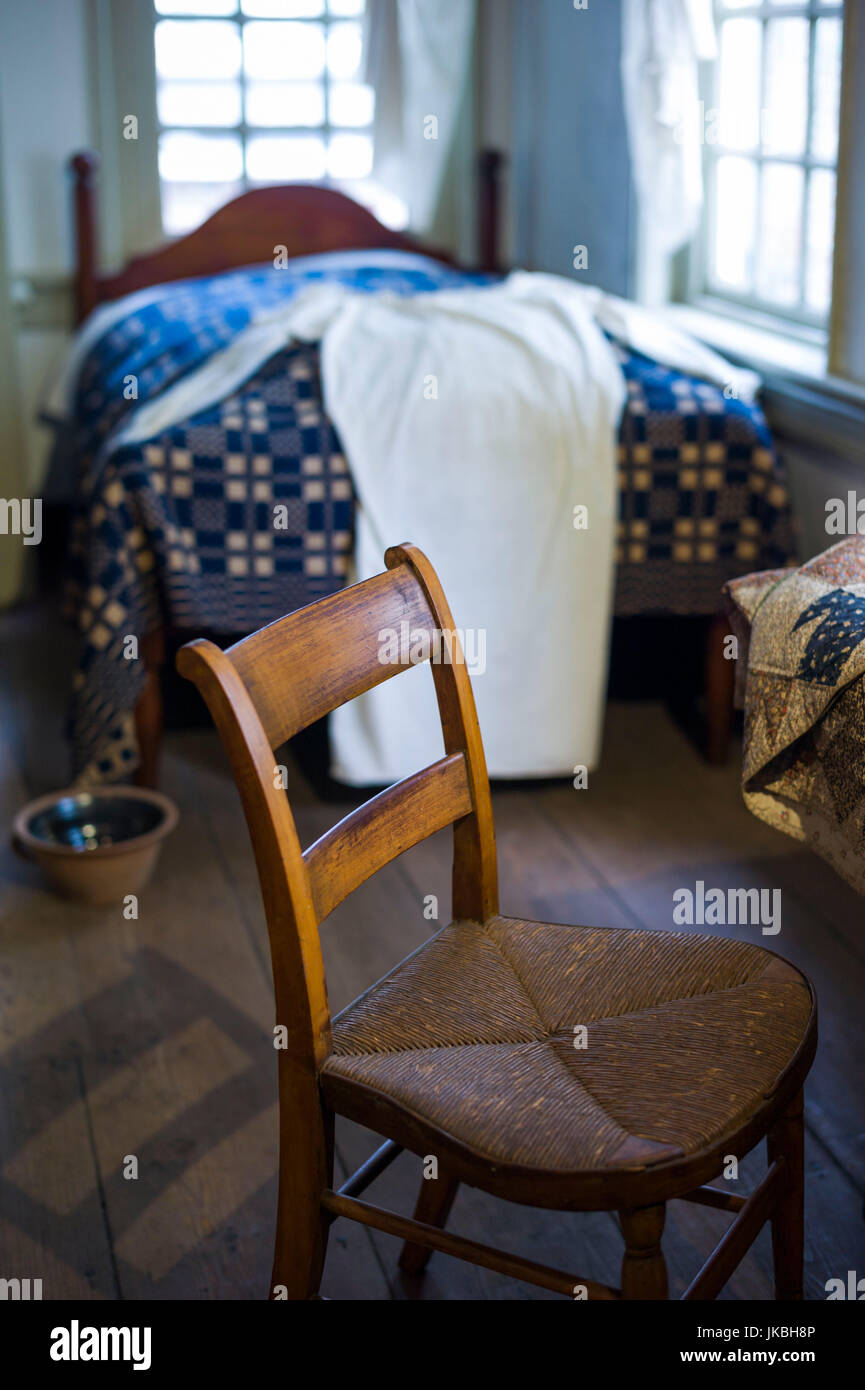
x=197 y=48
x=785 y=122
x=187 y=205
x=203 y=7
x=349 y=156
x=283 y=9
x=779 y=247
x=739 y=124
x=199 y=103
x=284 y=158
x=351 y=103
x=735 y=220
x=186 y=157
x=821 y=240
x=343 y=49
x=345 y=7
x=285 y=103
x=827 y=88
x=283 y=50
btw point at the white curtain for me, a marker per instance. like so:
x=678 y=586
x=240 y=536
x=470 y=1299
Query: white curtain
x=662 y=44
x=416 y=57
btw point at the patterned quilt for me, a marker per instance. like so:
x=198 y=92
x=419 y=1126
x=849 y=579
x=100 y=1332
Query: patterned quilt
x=244 y=512
x=801 y=667
x=703 y=495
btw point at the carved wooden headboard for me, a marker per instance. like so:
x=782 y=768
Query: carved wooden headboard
x=304 y=218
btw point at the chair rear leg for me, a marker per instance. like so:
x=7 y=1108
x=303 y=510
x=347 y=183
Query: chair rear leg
x=305 y=1170
x=433 y=1206
x=786 y=1140
x=644 y=1269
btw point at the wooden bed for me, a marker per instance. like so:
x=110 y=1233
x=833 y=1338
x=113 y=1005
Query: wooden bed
x=307 y=219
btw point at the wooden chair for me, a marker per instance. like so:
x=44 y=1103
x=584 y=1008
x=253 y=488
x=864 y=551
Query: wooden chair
x=697 y=1047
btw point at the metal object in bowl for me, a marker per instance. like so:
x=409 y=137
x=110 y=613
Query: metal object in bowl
x=96 y=846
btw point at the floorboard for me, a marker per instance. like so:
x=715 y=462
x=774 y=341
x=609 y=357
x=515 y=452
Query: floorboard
x=150 y=1039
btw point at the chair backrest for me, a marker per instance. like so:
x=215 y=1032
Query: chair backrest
x=271 y=685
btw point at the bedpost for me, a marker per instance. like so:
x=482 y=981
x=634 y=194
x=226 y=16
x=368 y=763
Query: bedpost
x=491 y=164
x=83 y=167
x=720 y=679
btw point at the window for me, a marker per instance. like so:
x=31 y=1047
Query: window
x=260 y=92
x=771 y=140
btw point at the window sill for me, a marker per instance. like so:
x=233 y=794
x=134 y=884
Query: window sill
x=771 y=352
x=800 y=396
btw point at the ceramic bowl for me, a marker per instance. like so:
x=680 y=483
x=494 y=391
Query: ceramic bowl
x=95 y=846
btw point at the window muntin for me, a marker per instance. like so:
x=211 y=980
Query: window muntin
x=770 y=145
x=256 y=92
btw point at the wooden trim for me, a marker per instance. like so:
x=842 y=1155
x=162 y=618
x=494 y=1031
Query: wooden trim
x=846 y=336
x=417 y=1233
x=738 y=1238
x=385 y=827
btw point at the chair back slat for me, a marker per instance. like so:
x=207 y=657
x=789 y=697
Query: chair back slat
x=308 y=663
x=383 y=828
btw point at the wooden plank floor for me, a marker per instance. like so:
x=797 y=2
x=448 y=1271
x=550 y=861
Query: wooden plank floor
x=151 y=1038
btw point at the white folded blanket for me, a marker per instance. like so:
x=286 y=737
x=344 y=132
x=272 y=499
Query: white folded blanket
x=475 y=422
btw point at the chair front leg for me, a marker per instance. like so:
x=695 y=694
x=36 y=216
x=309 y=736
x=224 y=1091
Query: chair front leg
x=644 y=1269
x=786 y=1142
x=306 y=1132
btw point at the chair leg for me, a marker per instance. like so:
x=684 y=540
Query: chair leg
x=433 y=1206
x=644 y=1269
x=305 y=1171
x=786 y=1140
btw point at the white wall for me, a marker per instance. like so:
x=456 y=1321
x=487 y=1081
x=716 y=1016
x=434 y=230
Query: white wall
x=45 y=115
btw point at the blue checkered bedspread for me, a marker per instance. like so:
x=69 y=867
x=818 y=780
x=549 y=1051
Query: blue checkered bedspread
x=182 y=529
